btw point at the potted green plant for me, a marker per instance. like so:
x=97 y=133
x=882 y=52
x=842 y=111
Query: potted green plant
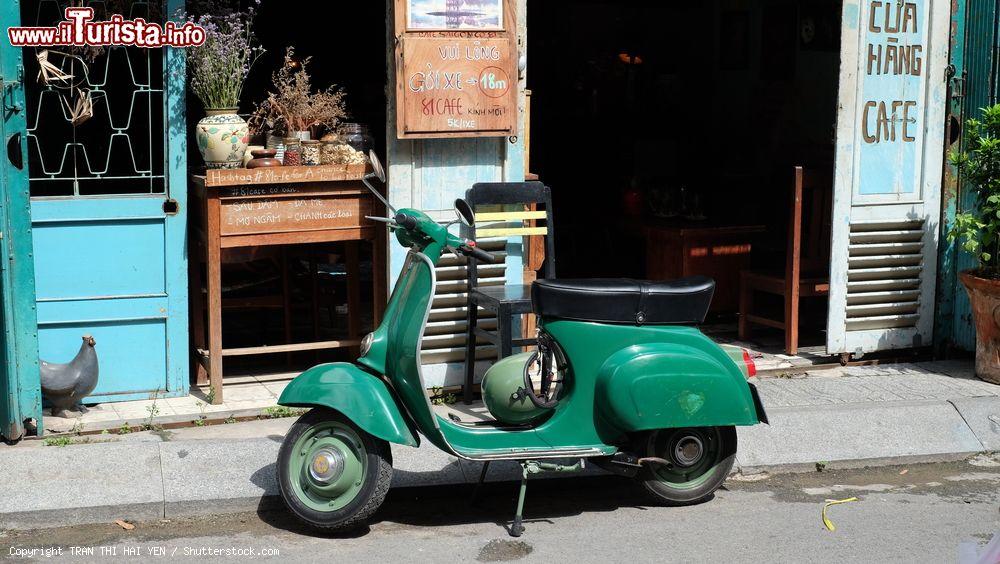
x=979 y=234
x=217 y=70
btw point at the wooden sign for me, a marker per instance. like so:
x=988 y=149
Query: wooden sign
x=456 y=83
x=278 y=215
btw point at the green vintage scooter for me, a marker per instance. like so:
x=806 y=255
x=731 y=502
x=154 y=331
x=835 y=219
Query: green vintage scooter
x=621 y=379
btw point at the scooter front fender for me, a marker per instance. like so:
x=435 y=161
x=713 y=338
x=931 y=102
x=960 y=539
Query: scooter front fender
x=362 y=397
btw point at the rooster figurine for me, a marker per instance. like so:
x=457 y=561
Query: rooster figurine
x=64 y=385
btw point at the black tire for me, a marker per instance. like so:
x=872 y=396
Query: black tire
x=719 y=455
x=376 y=481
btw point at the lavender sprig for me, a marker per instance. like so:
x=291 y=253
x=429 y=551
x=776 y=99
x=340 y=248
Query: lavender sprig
x=218 y=68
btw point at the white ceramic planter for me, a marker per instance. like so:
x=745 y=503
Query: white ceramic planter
x=222 y=138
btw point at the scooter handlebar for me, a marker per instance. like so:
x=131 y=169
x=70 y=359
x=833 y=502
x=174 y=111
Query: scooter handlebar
x=406 y=221
x=477 y=253
x=469 y=248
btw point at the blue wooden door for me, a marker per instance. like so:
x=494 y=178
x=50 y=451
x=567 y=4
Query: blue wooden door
x=109 y=209
x=887 y=190
x=20 y=397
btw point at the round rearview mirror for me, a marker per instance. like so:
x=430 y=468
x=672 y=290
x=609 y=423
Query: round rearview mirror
x=464 y=212
x=376 y=166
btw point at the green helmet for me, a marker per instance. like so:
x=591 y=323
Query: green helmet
x=500 y=385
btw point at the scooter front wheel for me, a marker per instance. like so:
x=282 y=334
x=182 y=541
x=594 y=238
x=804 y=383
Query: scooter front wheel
x=332 y=474
x=686 y=466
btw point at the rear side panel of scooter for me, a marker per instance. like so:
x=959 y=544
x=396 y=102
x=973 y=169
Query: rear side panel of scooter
x=660 y=385
x=628 y=378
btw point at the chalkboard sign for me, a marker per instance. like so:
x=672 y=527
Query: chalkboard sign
x=457 y=83
x=293 y=214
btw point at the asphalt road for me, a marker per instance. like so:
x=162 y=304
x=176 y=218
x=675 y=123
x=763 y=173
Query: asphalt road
x=904 y=514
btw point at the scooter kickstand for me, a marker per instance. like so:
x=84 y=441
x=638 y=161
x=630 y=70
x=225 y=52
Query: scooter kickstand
x=536 y=467
x=516 y=528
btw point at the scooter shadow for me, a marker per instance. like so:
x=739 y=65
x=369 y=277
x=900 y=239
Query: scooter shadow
x=440 y=506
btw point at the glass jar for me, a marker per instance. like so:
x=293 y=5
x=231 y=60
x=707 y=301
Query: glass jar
x=331 y=151
x=358 y=136
x=277 y=143
x=293 y=152
x=310 y=153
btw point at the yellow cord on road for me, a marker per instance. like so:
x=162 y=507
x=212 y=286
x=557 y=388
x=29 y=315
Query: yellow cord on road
x=829 y=502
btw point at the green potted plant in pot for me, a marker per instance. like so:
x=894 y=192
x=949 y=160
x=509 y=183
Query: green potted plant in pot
x=217 y=70
x=978 y=232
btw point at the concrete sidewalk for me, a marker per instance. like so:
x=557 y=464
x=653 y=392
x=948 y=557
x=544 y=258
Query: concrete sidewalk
x=843 y=417
x=856 y=416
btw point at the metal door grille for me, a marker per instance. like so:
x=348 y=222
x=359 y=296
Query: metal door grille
x=118 y=151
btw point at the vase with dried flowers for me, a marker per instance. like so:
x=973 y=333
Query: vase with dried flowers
x=217 y=70
x=293 y=108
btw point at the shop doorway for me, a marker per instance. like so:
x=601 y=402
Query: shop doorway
x=670 y=133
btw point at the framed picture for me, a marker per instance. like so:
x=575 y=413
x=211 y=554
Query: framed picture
x=454 y=15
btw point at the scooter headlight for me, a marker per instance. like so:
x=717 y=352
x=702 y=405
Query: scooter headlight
x=366 y=343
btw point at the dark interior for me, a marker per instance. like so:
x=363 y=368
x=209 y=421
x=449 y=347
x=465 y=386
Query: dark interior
x=646 y=108
x=686 y=114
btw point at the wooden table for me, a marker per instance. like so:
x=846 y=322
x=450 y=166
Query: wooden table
x=675 y=249
x=277 y=206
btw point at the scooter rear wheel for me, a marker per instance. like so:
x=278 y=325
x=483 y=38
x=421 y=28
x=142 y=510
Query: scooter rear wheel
x=697 y=461
x=332 y=475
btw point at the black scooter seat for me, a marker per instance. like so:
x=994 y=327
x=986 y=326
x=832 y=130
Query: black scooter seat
x=622 y=300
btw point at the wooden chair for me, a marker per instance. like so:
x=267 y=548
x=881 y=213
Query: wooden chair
x=807 y=268
x=509 y=300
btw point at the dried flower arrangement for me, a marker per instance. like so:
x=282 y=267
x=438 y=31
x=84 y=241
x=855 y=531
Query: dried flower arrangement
x=293 y=105
x=218 y=68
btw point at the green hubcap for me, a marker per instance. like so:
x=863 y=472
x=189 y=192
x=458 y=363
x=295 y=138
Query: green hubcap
x=693 y=455
x=327 y=466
